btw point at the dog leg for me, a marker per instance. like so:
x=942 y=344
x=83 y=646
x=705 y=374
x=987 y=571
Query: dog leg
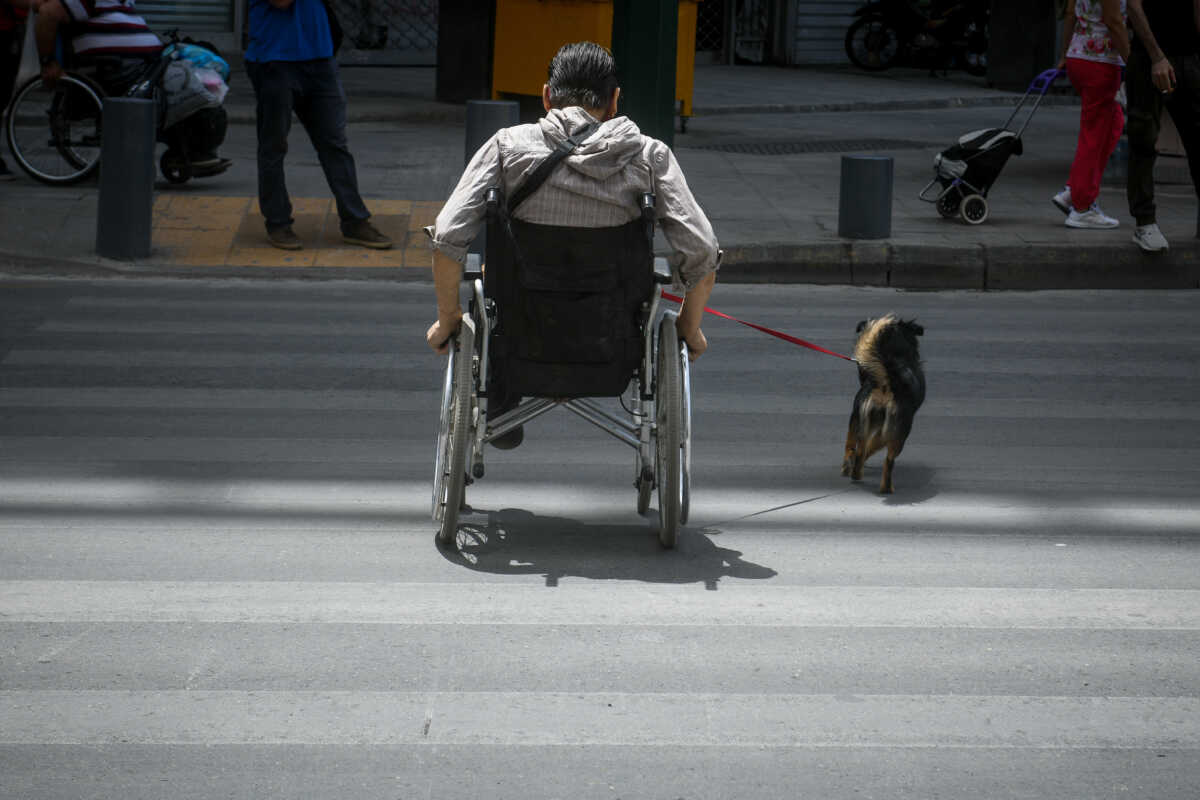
x=860 y=458
x=894 y=447
x=851 y=444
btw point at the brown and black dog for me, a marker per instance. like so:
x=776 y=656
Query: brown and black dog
x=891 y=389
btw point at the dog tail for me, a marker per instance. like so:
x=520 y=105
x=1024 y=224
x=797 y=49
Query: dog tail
x=869 y=353
x=887 y=351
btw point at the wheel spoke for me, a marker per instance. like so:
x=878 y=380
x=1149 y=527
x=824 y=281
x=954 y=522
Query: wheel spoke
x=54 y=134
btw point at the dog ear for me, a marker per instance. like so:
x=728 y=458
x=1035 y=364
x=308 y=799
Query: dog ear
x=862 y=324
x=914 y=328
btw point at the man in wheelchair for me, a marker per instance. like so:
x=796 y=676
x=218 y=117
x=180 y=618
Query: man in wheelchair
x=116 y=46
x=596 y=186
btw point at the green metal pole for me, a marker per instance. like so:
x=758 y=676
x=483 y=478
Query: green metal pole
x=643 y=44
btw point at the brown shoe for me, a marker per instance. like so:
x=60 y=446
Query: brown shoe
x=284 y=238
x=362 y=232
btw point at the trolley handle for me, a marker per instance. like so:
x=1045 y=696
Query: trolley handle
x=1041 y=84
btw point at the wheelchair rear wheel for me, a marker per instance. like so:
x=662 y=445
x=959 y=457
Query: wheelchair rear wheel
x=54 y=133
x=685 y=471
x=454 y=434
x=669 y=433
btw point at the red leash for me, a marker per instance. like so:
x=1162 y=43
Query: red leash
x=770 y=332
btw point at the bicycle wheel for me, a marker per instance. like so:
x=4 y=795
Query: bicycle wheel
x=872 y=43
x=454 y=439
x=669 y=433
x=54 y=133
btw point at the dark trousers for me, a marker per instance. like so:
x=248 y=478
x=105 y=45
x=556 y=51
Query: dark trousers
x=314 y=92
x=1145 y=105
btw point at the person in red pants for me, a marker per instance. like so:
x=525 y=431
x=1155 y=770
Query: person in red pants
x=1096 y=45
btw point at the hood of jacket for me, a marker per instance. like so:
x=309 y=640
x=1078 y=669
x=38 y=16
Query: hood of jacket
x=607 y=151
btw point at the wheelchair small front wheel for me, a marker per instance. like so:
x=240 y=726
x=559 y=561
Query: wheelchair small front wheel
x=54 y=132
x=669 y=431
x=454 y=436
x=645 y=485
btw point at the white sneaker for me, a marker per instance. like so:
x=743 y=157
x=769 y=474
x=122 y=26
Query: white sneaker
x=1150 y=238
x=1062 y=200
x=1092 y=218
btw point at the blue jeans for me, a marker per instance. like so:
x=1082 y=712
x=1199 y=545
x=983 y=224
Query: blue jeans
x=313 y=90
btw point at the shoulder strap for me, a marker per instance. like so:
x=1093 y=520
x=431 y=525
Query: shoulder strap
x=543 y=170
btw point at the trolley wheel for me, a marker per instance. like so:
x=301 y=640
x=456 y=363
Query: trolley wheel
x=54 y=133
x=669 y=433
x=949 y=202
x=974 y=209
x=873 y=43
x=174 y=167
x=454 y=434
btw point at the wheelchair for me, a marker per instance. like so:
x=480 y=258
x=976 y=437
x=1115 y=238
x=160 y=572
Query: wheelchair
x=565 y=317
x=54 y=132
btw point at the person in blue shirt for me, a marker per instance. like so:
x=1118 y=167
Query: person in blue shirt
x=291 y=66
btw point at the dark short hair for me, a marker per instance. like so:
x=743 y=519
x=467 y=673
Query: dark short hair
x=582 y=74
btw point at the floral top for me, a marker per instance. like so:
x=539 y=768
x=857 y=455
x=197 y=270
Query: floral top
x=1091 y=41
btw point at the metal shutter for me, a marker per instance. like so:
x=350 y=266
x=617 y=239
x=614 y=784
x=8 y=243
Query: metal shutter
x=820 y=31
x=189 y=16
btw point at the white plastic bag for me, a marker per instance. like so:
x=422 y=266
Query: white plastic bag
x=213 y=82
x=185 y=92
x=30 y=66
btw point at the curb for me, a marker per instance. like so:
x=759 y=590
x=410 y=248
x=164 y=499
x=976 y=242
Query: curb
x=913 y=267
x=979 y=267
x=402 y=109
x=931 y=104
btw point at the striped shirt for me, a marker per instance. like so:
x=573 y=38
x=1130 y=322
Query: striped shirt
x=109 y=26
x=597 y=186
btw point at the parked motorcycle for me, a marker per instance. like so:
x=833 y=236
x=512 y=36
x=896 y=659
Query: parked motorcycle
x=953 y=34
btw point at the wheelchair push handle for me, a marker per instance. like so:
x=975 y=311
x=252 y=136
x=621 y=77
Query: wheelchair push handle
x=646 y=203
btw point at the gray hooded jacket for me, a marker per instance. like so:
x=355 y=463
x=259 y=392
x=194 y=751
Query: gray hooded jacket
x=597 y=186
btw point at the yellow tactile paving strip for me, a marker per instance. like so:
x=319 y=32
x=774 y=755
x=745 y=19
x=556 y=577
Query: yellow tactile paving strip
x=206 y=230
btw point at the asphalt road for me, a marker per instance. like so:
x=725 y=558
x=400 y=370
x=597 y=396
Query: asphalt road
x=218 y=576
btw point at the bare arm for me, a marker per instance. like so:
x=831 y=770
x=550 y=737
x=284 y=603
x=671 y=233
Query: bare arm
x=690 y=313
x=1114 y=20
x=1068 y=31
x=1161 y=72
x=50 y=15
x=447 y=275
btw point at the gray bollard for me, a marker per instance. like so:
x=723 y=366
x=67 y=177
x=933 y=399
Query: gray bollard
x=865 y=200
x=126 y=197
x=484 y=118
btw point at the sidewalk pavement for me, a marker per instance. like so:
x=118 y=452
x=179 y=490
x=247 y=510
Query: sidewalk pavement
x=762 y=154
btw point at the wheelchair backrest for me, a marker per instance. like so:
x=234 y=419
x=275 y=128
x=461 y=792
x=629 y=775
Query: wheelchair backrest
x=569 y=304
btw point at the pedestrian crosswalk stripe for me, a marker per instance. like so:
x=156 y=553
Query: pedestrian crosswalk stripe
x=559 y=718
x=587 y=603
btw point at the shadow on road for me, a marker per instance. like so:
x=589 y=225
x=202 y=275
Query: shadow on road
x=513 y=541
x=914 y=483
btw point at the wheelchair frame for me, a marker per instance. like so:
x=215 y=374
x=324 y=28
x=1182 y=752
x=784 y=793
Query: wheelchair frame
x=82 y=154
x=657 y=425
